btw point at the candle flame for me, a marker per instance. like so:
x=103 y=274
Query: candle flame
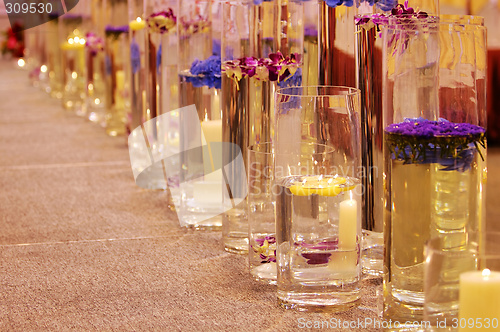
x=486 y=272
x=138 y=19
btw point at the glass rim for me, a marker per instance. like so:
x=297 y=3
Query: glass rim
x=342 y=91
x=435 y=22
x=441 y=18
x=254 y=148
x=433 y=246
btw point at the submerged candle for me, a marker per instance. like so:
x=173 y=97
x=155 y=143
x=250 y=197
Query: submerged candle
x=479 y=300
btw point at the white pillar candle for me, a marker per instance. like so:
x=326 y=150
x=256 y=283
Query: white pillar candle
x=211 y=133
x=479 y=299
x=208 y=192
x=348 y=225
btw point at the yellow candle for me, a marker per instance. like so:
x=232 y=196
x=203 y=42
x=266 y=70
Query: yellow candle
x=479 y=300
x=137 y=24
x=348 y=225
x=120 y=79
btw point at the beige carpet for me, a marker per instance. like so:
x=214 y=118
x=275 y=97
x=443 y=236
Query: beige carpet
x=83 y=248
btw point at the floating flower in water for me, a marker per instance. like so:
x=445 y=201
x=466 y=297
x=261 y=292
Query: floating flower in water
x=199 y=24
x=316 y=258
x=163 y=21
x=205 y=73
x=266 y=248
x=423 y=141
x=382 y=4
x=94 y=43
x=405 y=13
x=274 y=68
x=115 y=31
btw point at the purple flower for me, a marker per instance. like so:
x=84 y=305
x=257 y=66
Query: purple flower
x=315 y=258
x=274 y=68
x=115 y=31
x=266 y=248
x=206 y=73
x=423 y=141
x=135 y=56
x=163 y=21
x=310 y=30
x=94 y=43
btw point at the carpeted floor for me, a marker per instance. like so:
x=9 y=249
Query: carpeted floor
x=83 y=248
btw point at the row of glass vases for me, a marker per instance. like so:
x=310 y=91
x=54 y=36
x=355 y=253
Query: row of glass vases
x=228 y=59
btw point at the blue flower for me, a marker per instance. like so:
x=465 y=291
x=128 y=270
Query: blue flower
x=158 y=60
x=135 y=56
x=385 y=5
x=206 y=73
x=295 y=80
x=216 y=47
x=335 y=3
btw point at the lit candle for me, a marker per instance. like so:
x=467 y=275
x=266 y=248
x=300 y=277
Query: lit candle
x=137 y=24
x=479 y=299
x=348 y=225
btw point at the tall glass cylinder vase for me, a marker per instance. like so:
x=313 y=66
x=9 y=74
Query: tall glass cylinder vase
x=96 y=87
x=73 y=66
x=35 y=53
x=137 y=64
x=72 y=29
x=94 y=59
x=434 y=123
x=117 y=80
x=161 y=94
x=51 y=76
x=199 y=69
x=262 y=48
x=336 y=43
x=368 y=24
x=310 y=72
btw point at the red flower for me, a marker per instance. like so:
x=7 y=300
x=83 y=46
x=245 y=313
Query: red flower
x=11 y=42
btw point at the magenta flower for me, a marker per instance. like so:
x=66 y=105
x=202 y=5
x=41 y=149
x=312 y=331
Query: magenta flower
x=163 y=21
x=274 y=68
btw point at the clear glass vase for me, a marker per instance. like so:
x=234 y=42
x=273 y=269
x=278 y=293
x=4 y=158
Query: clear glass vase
x=95 y=66
x=434 y=122
x=137 y=63
x=117 y=79
x=73 y=66
x=73 y=27
x=336 y=44
x=200 y=185
x=51 y=76
x=96 y=87
x=259 y=38
x=368 y=24
x=317 y=188
x=161 y=86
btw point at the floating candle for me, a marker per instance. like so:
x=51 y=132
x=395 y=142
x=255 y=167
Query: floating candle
x=137 y=24
x=479 y=300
